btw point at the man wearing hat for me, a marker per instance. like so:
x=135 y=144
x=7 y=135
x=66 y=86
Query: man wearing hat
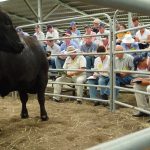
x=142 y=63
x=128 y=43
x=75 y=32
x=73 y=61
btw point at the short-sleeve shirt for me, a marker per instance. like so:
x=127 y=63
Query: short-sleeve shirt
x=102 y=65
x=77 y=63
x=144 y=36
x=126 y=63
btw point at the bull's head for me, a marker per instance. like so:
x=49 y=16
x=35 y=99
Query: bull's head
x=9 y=39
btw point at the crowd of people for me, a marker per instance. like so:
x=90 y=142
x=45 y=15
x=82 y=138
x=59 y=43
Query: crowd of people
x=64 y=54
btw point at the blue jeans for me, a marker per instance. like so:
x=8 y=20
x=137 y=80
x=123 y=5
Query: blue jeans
x=89 y=61
x=93 y=90
x=102 y=80
x=52 y=63
x=119 y=82
x=59 y=63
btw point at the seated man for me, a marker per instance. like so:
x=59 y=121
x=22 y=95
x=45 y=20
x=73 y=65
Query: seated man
x=73 y=61
x=128 y=43
x=142 y=83
x=89 y=47
x=67 y=42
x=52 y=48
x=101 y=63
x=122 y=62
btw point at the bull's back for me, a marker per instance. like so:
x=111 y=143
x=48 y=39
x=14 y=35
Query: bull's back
x=22 y=70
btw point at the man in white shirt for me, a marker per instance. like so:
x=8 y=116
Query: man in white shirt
x=143 y=37
x=52 y=32
x=101 y=63
x=72 y=62
x=52 y=48
x=39 y=35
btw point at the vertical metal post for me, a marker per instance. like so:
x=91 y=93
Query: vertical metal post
x=111 y=65
x=40 y=12
x=113 y=74
x=129 y=19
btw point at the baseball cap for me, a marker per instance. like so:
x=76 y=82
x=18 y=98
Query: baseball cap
x=72 y=23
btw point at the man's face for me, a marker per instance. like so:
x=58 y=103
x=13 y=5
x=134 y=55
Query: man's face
x=119 y=48
x=142 y=65
x=136 y=23
x=73 y=55
x=50 y=42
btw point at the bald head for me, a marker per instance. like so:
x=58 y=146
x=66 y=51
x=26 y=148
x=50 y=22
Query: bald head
x=119 y=48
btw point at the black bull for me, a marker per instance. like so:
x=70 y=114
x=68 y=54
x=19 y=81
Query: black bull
x=23 y=66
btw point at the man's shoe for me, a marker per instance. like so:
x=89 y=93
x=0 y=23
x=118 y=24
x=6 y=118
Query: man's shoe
x=140 y=114
x=56 y=100
x=105 y=97
x=79 y=101
x=97 y=103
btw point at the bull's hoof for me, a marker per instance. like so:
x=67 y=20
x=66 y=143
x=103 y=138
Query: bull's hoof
x=24 y=116
x=44 y=118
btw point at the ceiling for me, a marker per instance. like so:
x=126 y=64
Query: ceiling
x=23 y=12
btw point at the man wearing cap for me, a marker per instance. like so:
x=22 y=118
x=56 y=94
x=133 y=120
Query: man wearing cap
x=142 y=83
x=52 y=32
x=96 y=23
x=73 y=61
x=75 y=32
x=128 y=43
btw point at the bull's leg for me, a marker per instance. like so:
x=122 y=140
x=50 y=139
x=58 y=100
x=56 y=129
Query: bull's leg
x=41 y=100
x=24 y=99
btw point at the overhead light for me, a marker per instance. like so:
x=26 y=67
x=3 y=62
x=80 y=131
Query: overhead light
x=3 y=0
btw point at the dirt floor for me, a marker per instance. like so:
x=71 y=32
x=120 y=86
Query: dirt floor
x=70 y=126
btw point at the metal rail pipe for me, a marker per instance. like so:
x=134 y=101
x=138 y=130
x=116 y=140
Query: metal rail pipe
x=134 y=141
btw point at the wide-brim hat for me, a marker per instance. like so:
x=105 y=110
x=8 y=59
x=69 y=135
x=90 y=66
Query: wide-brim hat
x=50 y=38
x=71 y=49
x=128 y=39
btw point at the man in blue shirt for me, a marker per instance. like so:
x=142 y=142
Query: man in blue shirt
x=128 y=43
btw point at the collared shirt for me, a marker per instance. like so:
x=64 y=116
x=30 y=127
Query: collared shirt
x=72 y=43
x=55 y=49
x=40 y=35
x=126 y=63
x=144 y=36
x=102 y=65
x=88 y=48
x=78 y=62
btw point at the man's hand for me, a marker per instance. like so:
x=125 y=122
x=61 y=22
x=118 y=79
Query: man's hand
x=70 y=74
